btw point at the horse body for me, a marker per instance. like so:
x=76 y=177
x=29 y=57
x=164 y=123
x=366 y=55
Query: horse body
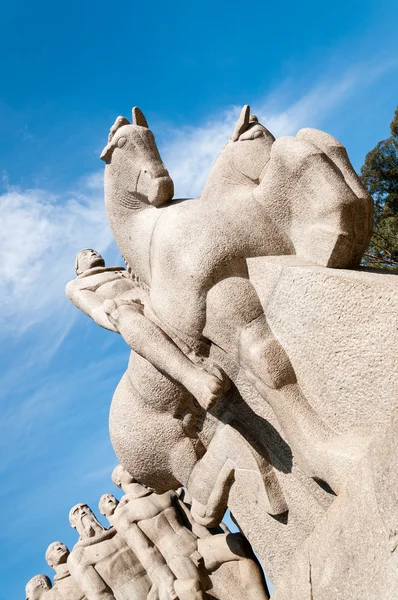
x=292 y=196
x=181 y=249
x=295 y=195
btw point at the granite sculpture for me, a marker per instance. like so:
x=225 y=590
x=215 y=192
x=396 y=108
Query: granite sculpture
x=261 y=375
x=192 y=556
x=256 y=200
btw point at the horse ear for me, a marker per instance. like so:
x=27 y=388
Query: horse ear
x=138 y=117
x=242 y=123
x=120 y=121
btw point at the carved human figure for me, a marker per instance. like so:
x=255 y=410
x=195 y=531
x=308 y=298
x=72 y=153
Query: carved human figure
x=154 y=516
x=158 y=515
x=152 y=561
x=95 y=290
x=102 y=564
x=37 y=587
x=65 y=587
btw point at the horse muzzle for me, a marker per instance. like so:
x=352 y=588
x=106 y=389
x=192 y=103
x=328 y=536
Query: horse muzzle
x=160 y=190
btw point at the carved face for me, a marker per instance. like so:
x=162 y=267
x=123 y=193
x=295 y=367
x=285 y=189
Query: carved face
x=134 y=163
x=107 y=505
x=82 y=518
x=37 y=587
x=57 y=554
x=88 y=259
x=121 y=477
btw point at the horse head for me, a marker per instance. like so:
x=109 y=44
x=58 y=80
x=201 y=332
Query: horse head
x=243 y=160
x=135 y=175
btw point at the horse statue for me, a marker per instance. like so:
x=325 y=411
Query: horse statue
x=290 y=196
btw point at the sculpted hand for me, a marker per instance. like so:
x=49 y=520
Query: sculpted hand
x=198 y=512
x=114 y=310
x=211 y=387
x=206 y=382
x=101 y=318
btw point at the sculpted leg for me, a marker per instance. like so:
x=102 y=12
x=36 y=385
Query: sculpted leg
x=188 y=585
x=219 y=549
x=301 y=180
x=150 y=342
x=361 y=218
x=232 y=465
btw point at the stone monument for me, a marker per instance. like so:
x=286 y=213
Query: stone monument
x=262 y=377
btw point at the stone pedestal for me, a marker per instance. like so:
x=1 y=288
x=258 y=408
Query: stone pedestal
x=339 y=329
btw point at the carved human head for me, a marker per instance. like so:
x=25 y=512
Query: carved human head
x=88 y=259
x=37 y=587
x=107 y=505
x=121 y=477
x=82 y=518
x=132 y=152
x=56 y=554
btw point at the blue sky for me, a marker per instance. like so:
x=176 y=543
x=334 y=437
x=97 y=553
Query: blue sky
x=67 y=70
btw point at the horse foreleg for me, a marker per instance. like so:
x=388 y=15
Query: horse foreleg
x=321 y=452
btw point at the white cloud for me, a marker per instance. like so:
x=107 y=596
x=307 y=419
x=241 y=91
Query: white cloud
x=39 y=238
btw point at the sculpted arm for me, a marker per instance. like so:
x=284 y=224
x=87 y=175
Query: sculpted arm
x=153 y=562
x=149 y=341
x=199 y=530
x=90 y=582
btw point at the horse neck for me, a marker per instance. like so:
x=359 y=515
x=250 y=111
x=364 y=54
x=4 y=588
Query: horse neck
x=132 y=222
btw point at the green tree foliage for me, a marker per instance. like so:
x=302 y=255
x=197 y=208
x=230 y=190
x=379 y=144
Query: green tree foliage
x=380 y=175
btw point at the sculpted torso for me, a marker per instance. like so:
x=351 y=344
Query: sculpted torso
x=65 y=588
x=101 y=562
x=157 y=518
x=91 y=289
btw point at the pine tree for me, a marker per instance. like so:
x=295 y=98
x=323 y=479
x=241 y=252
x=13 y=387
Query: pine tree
x=380 y=176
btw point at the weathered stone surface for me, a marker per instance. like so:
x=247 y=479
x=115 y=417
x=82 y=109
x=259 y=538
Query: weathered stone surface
x=339 y=329
x=352 y=551
x=348 y=377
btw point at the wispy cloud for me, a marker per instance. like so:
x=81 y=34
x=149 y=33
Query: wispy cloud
x=40 y=235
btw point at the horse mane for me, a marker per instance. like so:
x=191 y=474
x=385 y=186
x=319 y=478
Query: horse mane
x=135 y=277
